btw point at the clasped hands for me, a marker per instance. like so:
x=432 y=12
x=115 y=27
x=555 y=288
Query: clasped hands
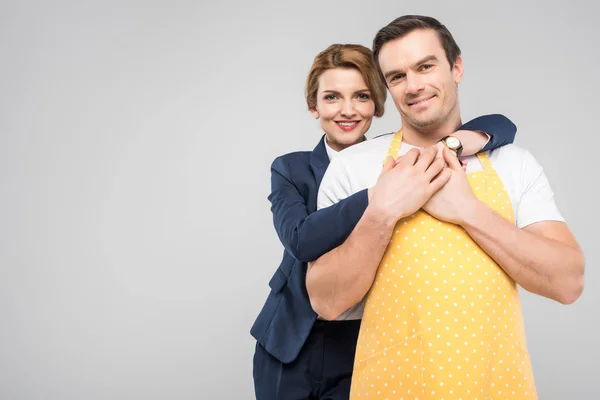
x=430 y=178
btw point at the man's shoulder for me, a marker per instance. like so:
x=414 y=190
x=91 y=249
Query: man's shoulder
x=375 y=146
x=509 y=152
x=515 y=160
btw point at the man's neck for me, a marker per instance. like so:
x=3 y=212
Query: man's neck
x=423 y=137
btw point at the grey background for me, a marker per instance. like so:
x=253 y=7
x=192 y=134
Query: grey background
x=135 y=142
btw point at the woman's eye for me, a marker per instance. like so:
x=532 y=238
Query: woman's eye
x=364 y=96
x=330 y=97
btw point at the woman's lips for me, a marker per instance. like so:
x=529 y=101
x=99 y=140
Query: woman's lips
x=347 y=125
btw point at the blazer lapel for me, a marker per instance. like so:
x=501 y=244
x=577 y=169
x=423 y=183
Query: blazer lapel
x=319 y=161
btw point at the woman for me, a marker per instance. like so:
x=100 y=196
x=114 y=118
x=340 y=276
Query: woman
x=298 y=355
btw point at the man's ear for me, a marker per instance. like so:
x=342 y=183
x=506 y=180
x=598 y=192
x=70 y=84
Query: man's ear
x=457 y=70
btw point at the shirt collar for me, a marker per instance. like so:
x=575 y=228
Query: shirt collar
x=331 y=153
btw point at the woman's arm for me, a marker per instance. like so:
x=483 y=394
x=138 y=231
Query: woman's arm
x=501 y=130
x=308 y=236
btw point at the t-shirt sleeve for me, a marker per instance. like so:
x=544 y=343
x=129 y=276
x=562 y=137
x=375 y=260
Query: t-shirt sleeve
x=537 y=198
x=335 y=185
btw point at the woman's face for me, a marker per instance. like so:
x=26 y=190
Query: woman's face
x=344 y=107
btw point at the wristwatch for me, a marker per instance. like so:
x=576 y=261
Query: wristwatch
x=453 y=143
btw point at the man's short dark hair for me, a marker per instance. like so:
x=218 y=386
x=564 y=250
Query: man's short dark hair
x=402 y=26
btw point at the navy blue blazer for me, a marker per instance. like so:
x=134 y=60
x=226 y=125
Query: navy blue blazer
x=287 y=317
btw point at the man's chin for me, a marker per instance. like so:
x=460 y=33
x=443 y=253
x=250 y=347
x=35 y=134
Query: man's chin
x=424 y=122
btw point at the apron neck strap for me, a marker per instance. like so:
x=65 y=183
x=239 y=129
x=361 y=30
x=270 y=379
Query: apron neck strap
x=394 y=151
x=394 y=148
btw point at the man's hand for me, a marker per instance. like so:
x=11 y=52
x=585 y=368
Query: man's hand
x=440 y=153
x=342 y=277
x=449 y=203
x=407 y=183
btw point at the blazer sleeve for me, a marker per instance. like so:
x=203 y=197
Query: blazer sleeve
x=307 y=236
x=502 y=131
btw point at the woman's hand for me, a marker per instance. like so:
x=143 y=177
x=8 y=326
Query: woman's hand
x=472 y=141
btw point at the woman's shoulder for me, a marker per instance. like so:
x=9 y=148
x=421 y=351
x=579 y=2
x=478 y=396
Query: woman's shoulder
x=294 y=159
x=375 y=145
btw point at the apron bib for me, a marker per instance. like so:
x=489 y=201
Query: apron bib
x=442 y=319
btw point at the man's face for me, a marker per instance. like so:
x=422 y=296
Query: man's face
x=420 y=80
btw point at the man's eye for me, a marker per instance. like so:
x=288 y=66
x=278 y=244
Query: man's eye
x=426 y=66
x=397 y=77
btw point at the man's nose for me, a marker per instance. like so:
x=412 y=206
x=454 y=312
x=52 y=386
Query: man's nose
x=414 y=84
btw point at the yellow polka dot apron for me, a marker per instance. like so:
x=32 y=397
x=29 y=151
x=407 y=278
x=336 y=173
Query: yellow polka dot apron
x=442 y=319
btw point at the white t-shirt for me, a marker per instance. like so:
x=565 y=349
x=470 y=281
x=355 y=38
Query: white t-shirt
x=358 y=167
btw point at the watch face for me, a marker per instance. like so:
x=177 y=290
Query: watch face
x=453 y=142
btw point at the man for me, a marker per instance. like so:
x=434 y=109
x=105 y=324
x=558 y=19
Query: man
x=438 y=252
x=298 y=356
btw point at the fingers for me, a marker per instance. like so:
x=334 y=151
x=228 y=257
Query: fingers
x=452 y=160
x=426 y=158
x=409 y=158
x=435 y=168
x=440 y=146
x=390 y=163
x=439 y=181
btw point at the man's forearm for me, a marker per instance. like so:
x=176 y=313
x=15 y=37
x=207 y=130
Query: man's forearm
x=549 y=266
x=341 y=278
